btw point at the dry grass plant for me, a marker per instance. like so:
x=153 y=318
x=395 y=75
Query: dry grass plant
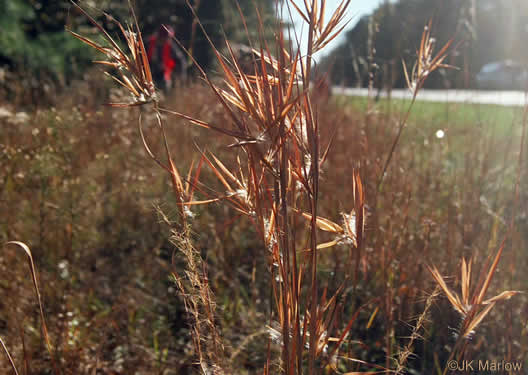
x=426 y=63
x=276 y=129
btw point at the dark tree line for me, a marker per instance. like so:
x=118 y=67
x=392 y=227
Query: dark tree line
x=33 y=38
x=483 y=30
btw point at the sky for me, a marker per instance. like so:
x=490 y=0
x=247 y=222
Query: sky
x=356 y=9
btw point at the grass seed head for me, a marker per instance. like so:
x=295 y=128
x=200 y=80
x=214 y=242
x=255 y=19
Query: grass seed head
x=473 y=308
x=133 y=69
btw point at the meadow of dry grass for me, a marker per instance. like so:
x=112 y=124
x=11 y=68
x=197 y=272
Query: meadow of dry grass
x=292 y=266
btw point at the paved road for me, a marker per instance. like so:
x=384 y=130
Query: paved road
x=506 y=98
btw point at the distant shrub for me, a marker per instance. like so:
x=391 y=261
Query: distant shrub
x=33 y=40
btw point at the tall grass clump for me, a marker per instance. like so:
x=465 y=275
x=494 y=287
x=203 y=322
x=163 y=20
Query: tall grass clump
x=277 y=148
x=275 y=128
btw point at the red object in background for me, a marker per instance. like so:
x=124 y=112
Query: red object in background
x=168 y=62
x=165 y=56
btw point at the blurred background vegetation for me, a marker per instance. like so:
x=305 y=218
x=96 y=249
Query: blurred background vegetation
x=34 y=47
x=37 y=54
x=485 y=31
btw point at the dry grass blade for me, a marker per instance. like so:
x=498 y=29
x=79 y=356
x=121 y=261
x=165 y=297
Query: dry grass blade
x=472 y=325
x=9 y=358
x=314 y=15
x=220 y=176
x=325 y=245
x=240 y=85
x=451 y=296
x=227 y=172
x=192 y=183
x=328 y=147
x=407 y=79
x=33 y=271
x=300 y=12
x=176 y=180
x=239 y=197
x=359 y=210
x=466 y=277
x=334 y=27
x=507 y=294
x=345 y=333
x=372 y=316
x=147 y=147
x=490 y=274
x=253 y=94
x=206 y=125
x=382 y=369
x=322 y=223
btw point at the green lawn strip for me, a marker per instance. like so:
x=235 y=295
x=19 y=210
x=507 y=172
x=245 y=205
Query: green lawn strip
x=442 y=114
x=467 y=128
